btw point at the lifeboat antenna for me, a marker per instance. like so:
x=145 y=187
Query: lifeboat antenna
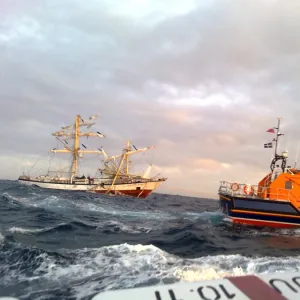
x=296 y=159
x=277 y=135
x=277 y=157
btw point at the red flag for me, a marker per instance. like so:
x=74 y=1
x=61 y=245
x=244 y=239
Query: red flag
x=271 y=130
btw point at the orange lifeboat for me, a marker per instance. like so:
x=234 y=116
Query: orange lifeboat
x=273 y=202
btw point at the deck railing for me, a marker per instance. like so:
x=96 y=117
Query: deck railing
x=244 y=190
x=237 y=189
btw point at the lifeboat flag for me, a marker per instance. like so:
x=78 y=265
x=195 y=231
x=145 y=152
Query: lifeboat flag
x=271 y=130
x=268 y=145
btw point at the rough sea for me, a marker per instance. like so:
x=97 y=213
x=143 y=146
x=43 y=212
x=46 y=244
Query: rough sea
x=72 y=245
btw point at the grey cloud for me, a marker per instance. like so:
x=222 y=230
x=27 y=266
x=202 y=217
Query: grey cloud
x=60 y=58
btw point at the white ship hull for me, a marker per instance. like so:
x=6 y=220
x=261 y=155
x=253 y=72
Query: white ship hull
x=137 y=189
x=57 y=186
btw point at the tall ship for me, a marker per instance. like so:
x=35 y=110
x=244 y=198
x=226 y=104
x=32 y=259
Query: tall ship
x=273 y=202
x=113 y=177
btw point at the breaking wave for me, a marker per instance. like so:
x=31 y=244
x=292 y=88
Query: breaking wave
x=82 y=273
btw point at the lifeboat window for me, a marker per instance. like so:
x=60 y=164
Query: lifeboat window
x=138 y=188
x=288 y=185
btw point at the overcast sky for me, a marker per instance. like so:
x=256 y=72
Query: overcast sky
x=201 y=79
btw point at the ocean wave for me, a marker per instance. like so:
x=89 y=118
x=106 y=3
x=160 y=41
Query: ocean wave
x=27 y=230
x=82 y=273
x=116 y=226
x=58 y=228
x=105 y=227
x=71 y=245
x=10 y=197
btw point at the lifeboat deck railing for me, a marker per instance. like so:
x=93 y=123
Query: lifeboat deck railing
x=244 y=190
x=238 y=189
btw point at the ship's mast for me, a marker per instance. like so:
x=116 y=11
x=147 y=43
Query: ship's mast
x=73 y=132
x=76 y=146
x=117 y=173
x=128 y=151
x=128 y=148
x=124 y=157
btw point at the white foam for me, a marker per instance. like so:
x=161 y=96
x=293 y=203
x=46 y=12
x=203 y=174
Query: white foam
x=125 y=228
x=1 y=238
x=114 y=225
x=33 y=200
x=12 y=198
x=191 y=275
x=25 y=230
x=207 y=214
x=143 y=265
x=29 y=231
x=125 y=266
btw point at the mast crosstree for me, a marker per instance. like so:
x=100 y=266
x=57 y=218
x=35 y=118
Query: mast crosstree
x=74 y=133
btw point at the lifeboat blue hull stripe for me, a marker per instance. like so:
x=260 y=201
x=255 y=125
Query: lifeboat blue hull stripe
x=264 y=205
x=252 y=216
